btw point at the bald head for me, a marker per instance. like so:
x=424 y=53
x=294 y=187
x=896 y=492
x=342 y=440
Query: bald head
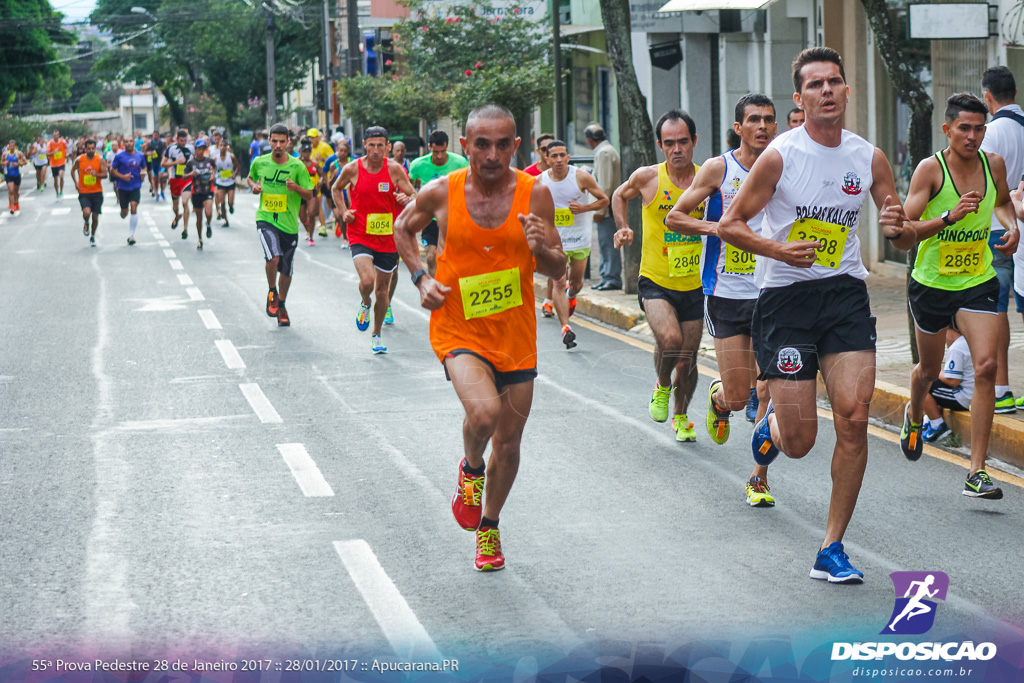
x=489 y=112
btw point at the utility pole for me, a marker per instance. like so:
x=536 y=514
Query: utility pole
x=354 y=39
x=271 y=89
x=326 y=63
x=556 y=20
x=156 y=108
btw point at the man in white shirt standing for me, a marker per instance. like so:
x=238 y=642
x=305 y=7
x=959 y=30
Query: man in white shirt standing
x=608 y=174
x=1004 y=135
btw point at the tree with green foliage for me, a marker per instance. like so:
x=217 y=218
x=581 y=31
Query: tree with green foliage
x=476 y=56
x=29 y=32
x=448 y=62
x=204 y=46
x=89 y=102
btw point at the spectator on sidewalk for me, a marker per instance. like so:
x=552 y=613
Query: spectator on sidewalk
x=608 y=174
x=953 y=389
x=1004 y=136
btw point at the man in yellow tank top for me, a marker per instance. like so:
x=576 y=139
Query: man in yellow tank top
x=949 y=205
x=669 y=287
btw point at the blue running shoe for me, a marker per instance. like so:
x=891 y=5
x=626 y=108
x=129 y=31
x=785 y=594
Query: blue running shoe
x=764 y=450
x=388 y=318
x=363 y=318
x=834 y=565
x=752 y=405
x=932 y=434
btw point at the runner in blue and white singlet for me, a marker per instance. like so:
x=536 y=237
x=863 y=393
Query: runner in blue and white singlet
x=728 y=277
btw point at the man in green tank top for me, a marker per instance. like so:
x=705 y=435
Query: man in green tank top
x=949 y=207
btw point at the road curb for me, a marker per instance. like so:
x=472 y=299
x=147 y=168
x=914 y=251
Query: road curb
x=887 y=402
x=597 y=307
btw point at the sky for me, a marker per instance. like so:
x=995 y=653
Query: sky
x=74 y=10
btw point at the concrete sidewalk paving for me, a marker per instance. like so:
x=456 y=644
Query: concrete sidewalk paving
x=889 y=305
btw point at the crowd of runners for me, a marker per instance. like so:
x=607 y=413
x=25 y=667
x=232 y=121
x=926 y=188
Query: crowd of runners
x=760 y=245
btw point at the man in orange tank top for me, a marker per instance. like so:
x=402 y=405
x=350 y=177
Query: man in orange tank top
x=87 y=172
x=494 y=224
x=379 y=187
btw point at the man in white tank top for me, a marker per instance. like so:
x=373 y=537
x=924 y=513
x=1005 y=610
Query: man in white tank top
x=570 y=188
x=813 y=311
x=728 y=280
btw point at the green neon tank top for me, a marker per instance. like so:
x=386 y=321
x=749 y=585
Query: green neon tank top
x=958 y=257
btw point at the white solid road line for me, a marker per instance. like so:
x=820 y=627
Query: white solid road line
x=209 y=319
x=184 y=279
x=230 y=354
x=305 y=471
x=403 y=630
x=62 y=211
x=176 y=264
x=195 y=294
x=169 y=253
x=260 y=403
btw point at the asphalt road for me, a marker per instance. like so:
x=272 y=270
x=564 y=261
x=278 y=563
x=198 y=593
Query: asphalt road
x=179 y=476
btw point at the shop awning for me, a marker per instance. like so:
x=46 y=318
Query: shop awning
x=703 y=5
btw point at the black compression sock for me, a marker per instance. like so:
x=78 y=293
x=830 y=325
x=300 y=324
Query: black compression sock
x=475 y=471
x=492 y=523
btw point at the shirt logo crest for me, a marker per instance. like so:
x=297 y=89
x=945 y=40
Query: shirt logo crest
x=851 y=184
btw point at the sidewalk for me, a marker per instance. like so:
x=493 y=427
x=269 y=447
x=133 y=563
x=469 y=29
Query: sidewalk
x=889 y=304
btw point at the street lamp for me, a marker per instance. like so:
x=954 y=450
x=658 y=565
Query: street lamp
x=143 y=10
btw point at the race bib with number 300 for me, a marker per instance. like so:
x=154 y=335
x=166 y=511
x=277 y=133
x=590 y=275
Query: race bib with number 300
x=738 y=261
x=379 y=224
x=962 y=258
x=831 y=239
x=274 y=203
x=684 y=260
x=490 y=293
x=564 y=218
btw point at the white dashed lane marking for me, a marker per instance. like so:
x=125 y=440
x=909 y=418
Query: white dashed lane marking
x=305 y=471
x=209 y=319
x=260 y=403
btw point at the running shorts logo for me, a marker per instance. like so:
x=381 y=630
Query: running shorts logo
x=790 y=360
x=851 y=183
x=383 y=187
x=916 y=595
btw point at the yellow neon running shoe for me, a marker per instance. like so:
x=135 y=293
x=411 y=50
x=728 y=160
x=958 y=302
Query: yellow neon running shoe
x=717 y=420
x=684 y=429
x=659 y=403
x=758 y=493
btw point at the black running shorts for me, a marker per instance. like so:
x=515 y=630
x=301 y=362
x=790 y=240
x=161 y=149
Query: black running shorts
x=278 y=244
x=430 y=235
x=501 y=379
x=795 y=325
x=92 y=201
x=688 y=305
x=384 y=261
x=935 y=309
x=126 y=197
x=947 y=397
x=728 y=317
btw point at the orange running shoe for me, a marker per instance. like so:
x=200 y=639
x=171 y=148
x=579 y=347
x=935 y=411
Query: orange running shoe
x=272 y=303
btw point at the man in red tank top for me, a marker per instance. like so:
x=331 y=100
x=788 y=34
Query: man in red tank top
x=379 y=187
x=494 y=222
